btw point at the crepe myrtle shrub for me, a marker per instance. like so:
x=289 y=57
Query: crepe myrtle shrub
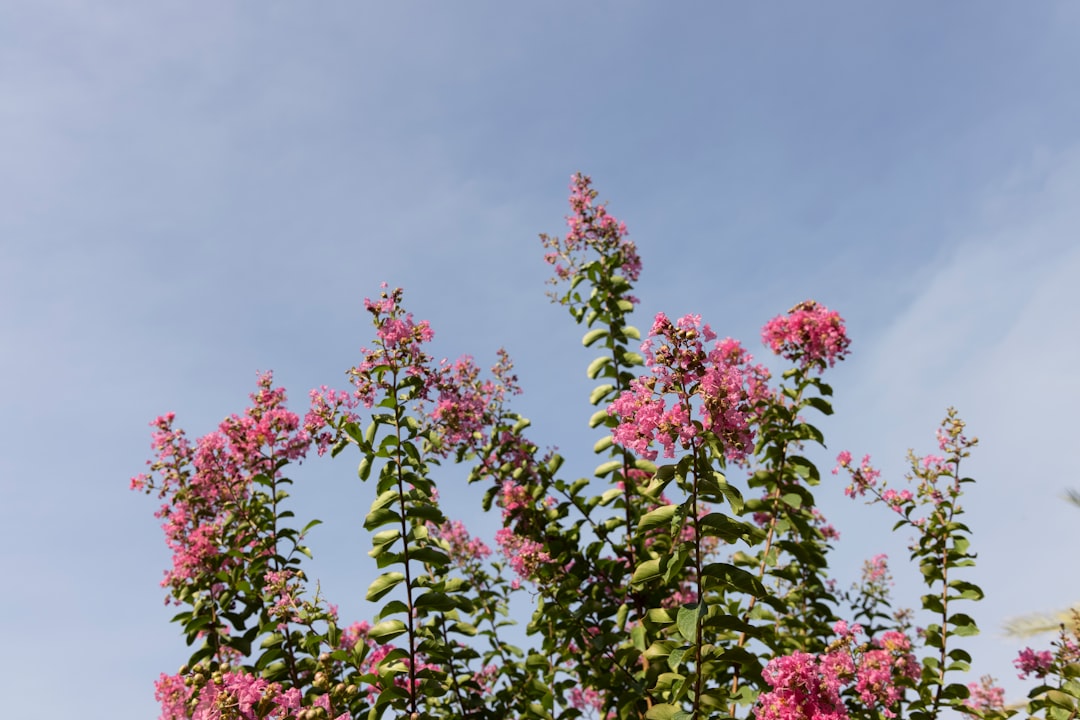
x=686 y=577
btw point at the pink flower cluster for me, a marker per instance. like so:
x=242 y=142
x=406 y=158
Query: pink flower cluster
x=463 y=400
x=329 y=410
x=591 y=228
x=810 y=334
x=357 y=634
x=985 y=695
x=586 y=699
x=804 y=686
x=721 y=382
x=463 y=547
x=238 y=696
x=938 y=479
x=524 y=555
x=282 y=590
x=465 y=405
x=1029 y=662
x=206 y=484
x=863 y=479
x=399 y=348
x=468 y=405
x=827 y=530
x=810 y=686
x=876 y=570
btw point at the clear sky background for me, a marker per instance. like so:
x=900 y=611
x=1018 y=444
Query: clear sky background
x=193 y=191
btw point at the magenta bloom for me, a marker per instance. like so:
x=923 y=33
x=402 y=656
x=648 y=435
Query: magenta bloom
x=591 y=230
x=721 y=384
x=802 y=688
x=809 y=686
x=463 y=547
x=399 y=349
x=1029 y=662
x=524 y=555
x=203 y=483
x=810 y=334
x=985 y=695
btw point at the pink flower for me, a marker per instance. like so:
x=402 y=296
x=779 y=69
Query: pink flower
x=721 y=384
x=802 y=688
x=463 y=548
x=985 y=695
x=524 y=555
x=1029 y=662
x=591 y=230
x=205 y=484
x=876 y=569
x=810 y=334
x=864 y=478
x=468 y=405
x=842 y=629
x=399 y=350
x=843 y=460
x=173 y=694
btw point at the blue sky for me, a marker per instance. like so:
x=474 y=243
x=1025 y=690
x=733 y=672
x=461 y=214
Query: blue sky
x=191 y=192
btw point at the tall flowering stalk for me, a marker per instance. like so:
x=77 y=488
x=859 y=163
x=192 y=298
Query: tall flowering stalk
x=941 y=550
x=685 y=578
x=236 y=562
x=796 y=535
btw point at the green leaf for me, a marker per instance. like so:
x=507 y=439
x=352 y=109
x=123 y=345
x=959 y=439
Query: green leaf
x=385 y=499
x=272 y=640
x=675 y=564
x=656 y=518
x=378 y=518
x=386 y=630
x=659 y=616
x=435 y=601
x=662 y=712
x=382 y=539
x=384 y=584
x=730 y=493
x=721 y=526
x=645 y=465
x=666 y=472
x=392 y=608
x=687 y=621
x=1060 y=699
x=736 y=577
x=598 y=418
x=603 y=444
x=364 y=471
x=821 y=404
x=593 y=335
x=610 y=495
x=608 y=468
x=963 y=625
x=646 y=571
x=599 y=393
x=596 y=366
x=805 y=469
x=966 y=590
